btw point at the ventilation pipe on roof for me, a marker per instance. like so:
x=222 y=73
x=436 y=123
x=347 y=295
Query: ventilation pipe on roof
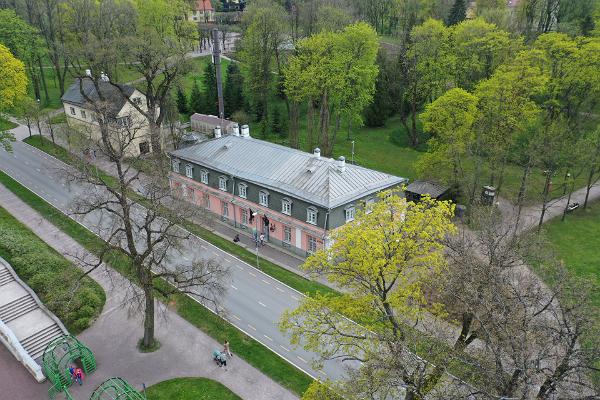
x=217 y=132
x=317 y=152
x=88 y=72
x=245 y=131
x=104 y=77
x=236 y=130
x=341 y=164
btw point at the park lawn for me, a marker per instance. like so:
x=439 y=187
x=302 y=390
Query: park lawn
x=51 y=276
x=190 y=389
x=577 y=242
x=6 y=125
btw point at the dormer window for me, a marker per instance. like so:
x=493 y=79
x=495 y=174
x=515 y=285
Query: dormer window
x=286 y=206
x=263 y=198
x=369 y=205
x=189 y=171
x=350 y=212
x=204 y=176
x=175 y=165
x=223 y=183
x=243 y=190
x=311 y=215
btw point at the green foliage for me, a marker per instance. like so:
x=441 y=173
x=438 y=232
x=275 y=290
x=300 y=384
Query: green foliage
x=211 y=101
x=383 y=100
x=181 y=101
x=190 y=389
x=277 y=123
x=233 y=95
x=76 y=301
x=13 y=81
x=197 y=102
x=320 y=391
x=458 y=13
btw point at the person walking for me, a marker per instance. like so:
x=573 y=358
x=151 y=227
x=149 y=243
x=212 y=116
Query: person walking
x=226 y=349
x=79 y=376
x=72 y=373
x=262 y=239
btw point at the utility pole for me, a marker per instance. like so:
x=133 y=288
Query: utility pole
x=217 y=62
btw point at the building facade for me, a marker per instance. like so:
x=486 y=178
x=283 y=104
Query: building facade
x=124 y=116
x=291 y=197
x=202 y=11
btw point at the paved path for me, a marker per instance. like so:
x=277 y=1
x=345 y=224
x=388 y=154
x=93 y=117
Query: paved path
x=185 y=351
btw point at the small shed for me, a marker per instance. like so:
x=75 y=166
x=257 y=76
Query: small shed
x=206 y=124
x=436 y=191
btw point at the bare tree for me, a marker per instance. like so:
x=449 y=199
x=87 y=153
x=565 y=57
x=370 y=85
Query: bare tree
x=147 y=235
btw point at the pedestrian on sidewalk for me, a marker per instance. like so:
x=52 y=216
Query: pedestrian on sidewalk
x=79 y=376
x=72 y=373
x=262 y=239
x=236 y=238
x=226 y=349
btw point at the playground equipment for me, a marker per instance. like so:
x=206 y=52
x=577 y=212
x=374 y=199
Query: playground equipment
x=116 y=389
x=59 y=355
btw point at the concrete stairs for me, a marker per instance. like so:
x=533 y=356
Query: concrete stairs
x=30 y=323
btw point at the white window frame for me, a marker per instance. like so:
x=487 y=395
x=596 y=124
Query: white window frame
x=72 y=109
x=206 y=200
x=191 y=194
x=369 y=205
x=175 y=165
x=189 y=171
x=263 y=198
x=244 y=217
x=287 y=234
x=286 y=206
x=225 y=209
x=243 y=190
x=350 y=213
x=311 y=244
x=204 y=176
x=223 y=183
x=312 y=215
x=83 y=114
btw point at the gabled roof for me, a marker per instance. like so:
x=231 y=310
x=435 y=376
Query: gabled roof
x=109 y=92
x=433 y=189
x=316 y=180
x=203 y=5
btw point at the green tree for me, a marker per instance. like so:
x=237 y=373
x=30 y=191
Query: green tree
x=449 y=120
x=233 y=94
x=265 y=29
x=426 y=70
x=381 y=108
x=181 y=101
x=197 y=102
x=479 y=48
x=458 y=13
x=381 y=262
x=211 y=100
x=13 y=87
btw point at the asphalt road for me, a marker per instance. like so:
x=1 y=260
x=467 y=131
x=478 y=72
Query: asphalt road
x=254 y=301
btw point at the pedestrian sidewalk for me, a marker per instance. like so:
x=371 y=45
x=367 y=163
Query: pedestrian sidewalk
x=185 y=350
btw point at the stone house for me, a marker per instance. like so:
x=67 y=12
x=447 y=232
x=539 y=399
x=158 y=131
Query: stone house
x=125 y=117
x=292 y=197
x=202 y=11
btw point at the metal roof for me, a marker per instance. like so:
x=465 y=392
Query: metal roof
x=302 y=175
x=433 y=189
x=111 y=93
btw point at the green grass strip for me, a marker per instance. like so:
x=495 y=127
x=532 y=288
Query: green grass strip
x=190 y=389
x=244 y=346
x=290 y=278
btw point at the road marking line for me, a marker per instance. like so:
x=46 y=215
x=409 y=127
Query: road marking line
x=268 y=338
x=251 y=327
x=284 y=348
x=234 y=288
x=252 y=273
x=302 y=359
x=226 y=260
x=236 y=317
x=265 y=281
x=280 y=289
x=239 y=267
x=322 y=373
x=262 y=304
x=294 y=297
x=216 y=254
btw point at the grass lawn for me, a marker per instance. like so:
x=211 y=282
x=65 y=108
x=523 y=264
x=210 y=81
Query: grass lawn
x=6 y=125
x=59 y=119
x=577 y=241
x=190 y=389
x=245 y=347
x=50 y=275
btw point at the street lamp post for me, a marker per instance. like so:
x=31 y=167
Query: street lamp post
x=256 y=236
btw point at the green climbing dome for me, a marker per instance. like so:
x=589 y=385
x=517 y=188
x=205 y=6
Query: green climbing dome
x=61 y=353
x=116 y=389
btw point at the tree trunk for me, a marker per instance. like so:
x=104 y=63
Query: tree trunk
x=568 y=199
x=155 y=137
x=545 y=198
x=34 y=81
x=293 y=130
x=335 y=132
x=45 y=86
x=310 y=125
x=414 y=138
x=148 y=340
x=522 y=192
x=324 y=125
